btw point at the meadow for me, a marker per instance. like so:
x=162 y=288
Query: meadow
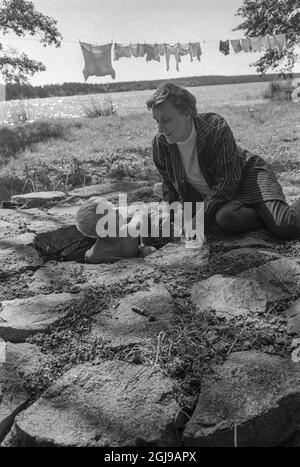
x=60 y=151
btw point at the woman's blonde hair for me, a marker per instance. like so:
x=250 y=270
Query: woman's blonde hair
x=180 y=98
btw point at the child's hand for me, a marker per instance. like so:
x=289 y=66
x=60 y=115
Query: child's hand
x=147 y=250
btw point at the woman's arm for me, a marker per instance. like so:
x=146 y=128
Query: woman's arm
x=169 y=193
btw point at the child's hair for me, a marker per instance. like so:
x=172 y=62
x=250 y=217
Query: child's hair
x=87 y=218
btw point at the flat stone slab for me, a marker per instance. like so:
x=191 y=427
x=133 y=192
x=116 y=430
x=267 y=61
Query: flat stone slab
x=176 y=255
x=20 y=318
x=255 y=239
x=251 y=254
x=39 y=198
x=293 y=318
x=64 y=276
x=253 y=394
x=16 y=362
x=54 y=237
x=123 y=325
x=282 y=274
x=26 y=239
x=229 y=296
x=113 y=404
x=106 y=188
x=17 y=259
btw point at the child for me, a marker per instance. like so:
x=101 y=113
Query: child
x=110 y=247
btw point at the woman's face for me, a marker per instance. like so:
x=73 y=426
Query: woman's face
x=175 y=126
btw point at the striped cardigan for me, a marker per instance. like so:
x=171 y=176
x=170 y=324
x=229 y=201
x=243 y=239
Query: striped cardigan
x=230 y=172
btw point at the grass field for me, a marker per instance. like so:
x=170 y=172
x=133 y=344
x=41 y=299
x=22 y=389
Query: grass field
x=68 y=153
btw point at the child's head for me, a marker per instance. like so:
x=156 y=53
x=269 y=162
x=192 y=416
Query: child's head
x=87 y=217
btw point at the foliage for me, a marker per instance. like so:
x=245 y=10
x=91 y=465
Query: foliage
x=17 y=138
x=278 y=91
x=21 y=18
x=267 y=17
x=100 y=108
x=26 y=91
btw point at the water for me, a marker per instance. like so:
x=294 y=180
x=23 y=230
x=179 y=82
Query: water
x=126 y=103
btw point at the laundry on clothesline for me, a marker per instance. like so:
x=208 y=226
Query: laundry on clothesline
x=98 y=57
x=155 y=51
x=255 y=44
x=97 y=60
x=224 y=47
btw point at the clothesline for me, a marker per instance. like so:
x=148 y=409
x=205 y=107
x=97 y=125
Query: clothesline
x=203 y=41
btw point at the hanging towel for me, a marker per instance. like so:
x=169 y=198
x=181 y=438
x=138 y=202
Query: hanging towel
x=161 y=49
x=97 y=60
x=122 y=51
x=280 y=43
x=268 y=42
x=195 y=50
x=236 y=45
x=246 y=44
x=256 y=43
x=151 y=52
x=172 y=50
x=224 y=47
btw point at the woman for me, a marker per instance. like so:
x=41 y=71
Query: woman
x=199 y=160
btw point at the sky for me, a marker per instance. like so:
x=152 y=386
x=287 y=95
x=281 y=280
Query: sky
x=125 y=21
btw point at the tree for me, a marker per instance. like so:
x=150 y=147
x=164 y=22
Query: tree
x=267 y=17
x=21 y=18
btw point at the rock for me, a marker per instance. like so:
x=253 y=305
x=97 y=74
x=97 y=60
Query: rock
x=26 y=239
x=113 y=404
x=228 y=296
x=257 y=393
x=283 y=275
x=121 y=326
x=256 y=239
x=293 y=318
x=20 y=318
x=18 y=259
x=251 y=255
x=64 y=276
x=65 y=211
x=52 y=237
x=39 y=198
x=176 y=255
x=16 y=221
x=25 y=358
x=20 y=360
x=86 y=192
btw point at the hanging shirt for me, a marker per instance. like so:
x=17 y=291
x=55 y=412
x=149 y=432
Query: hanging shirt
x=189 y=159
x=184 y=49
x=151 y=52
x=224 y=47
x=195 y=50
x=280 y=43
x=172 y=50
x=256 y=43
x=134 y=50
x=246 y=45
x=161 y=50
x=122 y=51
x=236 y=45
x=97 y=60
